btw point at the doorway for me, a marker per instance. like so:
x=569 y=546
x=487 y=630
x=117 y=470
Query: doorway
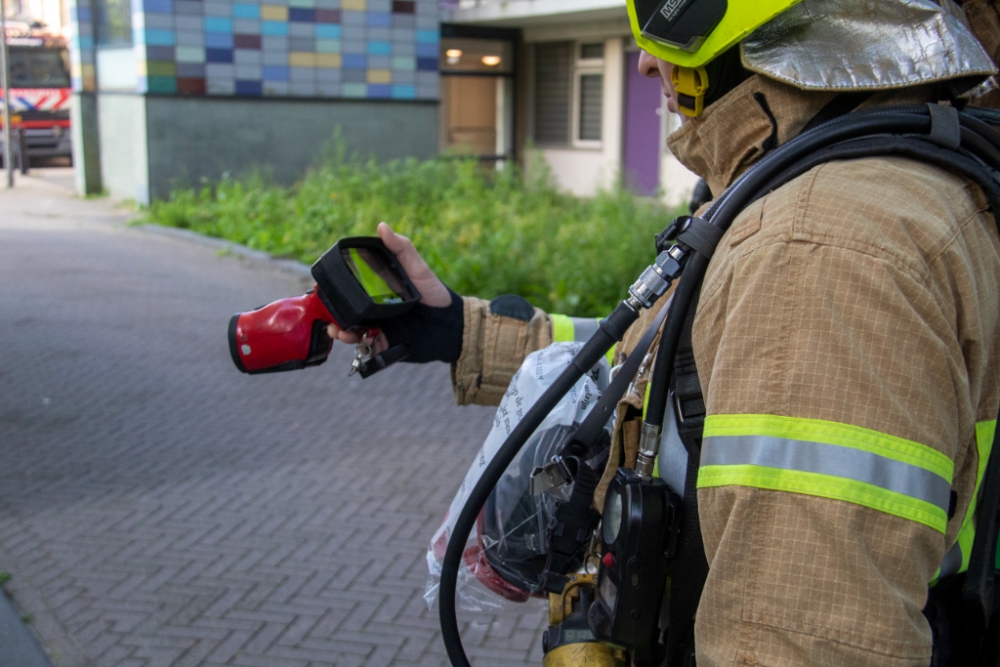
x=642 y=133
x=477 y=97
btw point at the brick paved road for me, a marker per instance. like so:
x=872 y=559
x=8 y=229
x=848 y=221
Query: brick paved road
x=159 y=508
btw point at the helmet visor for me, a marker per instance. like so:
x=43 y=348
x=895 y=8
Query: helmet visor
x=691 y=33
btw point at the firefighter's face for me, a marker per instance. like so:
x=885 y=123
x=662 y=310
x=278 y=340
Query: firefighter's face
x=655 y=68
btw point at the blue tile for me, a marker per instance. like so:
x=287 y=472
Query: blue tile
x=379 y=90
x=404 y=92
x=379 y=19
x=157 y=37
x=273 y=28
x=190 y=70
x=219 y=55
x=427 y=50
x=427 y=64
x=219 y=40
x=158 y=6
x=428 y=36
x=218 y=24
x=327 y=31
x=302 y=14
x=83 y=42
x=82 y=14
x=379 y=48
x=242 y=11
x=249 y=88
x=275 y=73
x=161 y=53
x=354 y=61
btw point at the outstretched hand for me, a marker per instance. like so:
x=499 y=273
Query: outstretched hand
x=433 y=293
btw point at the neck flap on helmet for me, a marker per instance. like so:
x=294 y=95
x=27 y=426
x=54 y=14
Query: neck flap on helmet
x=849 y=45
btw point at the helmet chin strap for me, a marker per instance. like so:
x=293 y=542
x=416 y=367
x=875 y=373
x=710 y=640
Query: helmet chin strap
x=691 y=84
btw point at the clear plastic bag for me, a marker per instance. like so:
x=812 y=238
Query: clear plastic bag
x=508 y=547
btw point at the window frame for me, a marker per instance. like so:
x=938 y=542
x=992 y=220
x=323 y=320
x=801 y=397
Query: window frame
x=585 y=67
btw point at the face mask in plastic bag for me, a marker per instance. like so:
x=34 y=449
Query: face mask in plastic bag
x=505 y=555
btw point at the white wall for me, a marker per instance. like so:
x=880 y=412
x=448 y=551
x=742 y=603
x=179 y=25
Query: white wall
x=124 y=159
x=117 y=68
x=580 y=171
x=675 y=180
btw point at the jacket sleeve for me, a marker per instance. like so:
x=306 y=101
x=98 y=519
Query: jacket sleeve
x=494 y=346
x=842 y=339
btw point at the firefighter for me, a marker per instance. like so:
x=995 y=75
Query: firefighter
x=846 y=337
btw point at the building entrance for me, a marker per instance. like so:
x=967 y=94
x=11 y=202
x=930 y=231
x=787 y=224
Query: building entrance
x=477 y=98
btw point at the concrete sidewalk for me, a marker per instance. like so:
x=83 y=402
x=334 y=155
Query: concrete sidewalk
x=18 y=647
x=157 y=507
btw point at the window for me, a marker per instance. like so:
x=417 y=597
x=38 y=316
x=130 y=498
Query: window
x=38 y=68
x=588 y=96
x=569 y=93
x=114 y=22
x=591 y=98
x=552 y=92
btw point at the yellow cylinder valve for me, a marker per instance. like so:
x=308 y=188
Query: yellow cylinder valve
x=588 y=654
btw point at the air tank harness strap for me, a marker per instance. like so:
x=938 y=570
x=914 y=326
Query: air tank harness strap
x=693 y=232
x=574 y=520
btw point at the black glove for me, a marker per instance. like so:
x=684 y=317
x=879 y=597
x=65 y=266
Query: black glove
x=432 y=334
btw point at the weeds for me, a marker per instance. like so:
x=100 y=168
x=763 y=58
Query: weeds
x=484 y=233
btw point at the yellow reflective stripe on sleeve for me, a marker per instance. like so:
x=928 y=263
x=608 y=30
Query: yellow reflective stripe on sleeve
x=828 y=460
x=957 y=559
x=567 y=329
x=562 y=328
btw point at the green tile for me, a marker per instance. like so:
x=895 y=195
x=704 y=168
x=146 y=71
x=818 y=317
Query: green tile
x=161 y=84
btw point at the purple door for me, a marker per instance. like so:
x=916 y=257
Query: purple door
x=643 y=97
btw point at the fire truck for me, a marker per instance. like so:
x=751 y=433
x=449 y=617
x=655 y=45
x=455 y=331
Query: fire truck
x=39 y=92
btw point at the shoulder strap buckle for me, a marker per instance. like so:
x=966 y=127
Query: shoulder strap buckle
x=693 y=232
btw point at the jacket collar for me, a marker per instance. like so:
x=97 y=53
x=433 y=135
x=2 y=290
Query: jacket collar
x=752 y=119
x=738 y=129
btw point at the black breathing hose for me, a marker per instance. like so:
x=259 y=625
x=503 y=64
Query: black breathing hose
x=611 y=331
x=771 y=172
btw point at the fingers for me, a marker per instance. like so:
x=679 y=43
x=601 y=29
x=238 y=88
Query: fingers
x=432 y=290
x=348 y=337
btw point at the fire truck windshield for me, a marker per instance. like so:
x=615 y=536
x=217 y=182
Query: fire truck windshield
x=38 y=68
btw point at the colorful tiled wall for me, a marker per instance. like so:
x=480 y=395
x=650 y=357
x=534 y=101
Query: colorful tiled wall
x=372 y=49
x=81 y=47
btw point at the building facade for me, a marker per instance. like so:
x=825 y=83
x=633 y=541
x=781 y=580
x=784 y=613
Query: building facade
x=171 y=92
x=174 y=92
x=580 y=106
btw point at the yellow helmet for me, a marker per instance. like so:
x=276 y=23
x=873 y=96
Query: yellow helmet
x=691 y=33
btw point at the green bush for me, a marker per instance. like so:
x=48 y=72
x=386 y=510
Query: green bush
x=484 y=233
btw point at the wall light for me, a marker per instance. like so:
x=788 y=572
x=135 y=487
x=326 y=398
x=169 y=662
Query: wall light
x=491 y=61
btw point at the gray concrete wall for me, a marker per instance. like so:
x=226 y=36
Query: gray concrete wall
x=194 y=138
x=86 y=148
x=124 y=171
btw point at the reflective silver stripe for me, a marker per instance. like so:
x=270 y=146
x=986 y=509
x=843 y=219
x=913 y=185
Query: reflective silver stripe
x=583 y=328
x=952 y=563
x=816 y=457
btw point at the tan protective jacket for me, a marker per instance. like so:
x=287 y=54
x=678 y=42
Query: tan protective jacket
x=846 y=342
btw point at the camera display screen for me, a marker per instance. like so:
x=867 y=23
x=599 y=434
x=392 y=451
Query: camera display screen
x=376 y=276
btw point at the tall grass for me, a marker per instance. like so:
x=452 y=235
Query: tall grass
x=484 y=233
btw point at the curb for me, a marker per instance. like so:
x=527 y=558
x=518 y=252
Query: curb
x=297 y=269
x=20 y=648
